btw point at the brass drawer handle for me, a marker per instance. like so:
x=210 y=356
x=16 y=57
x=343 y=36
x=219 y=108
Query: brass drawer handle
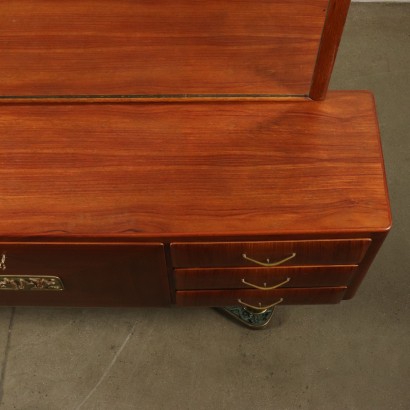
x=268 y=264
x=260 y=307
x=264 y=285
x=31 y=283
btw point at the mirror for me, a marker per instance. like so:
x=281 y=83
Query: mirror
x=159 y=48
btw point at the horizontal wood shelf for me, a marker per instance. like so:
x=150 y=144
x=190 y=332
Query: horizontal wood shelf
x=119 y=170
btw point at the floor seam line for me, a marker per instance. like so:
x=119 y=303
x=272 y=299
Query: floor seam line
x=109 y=367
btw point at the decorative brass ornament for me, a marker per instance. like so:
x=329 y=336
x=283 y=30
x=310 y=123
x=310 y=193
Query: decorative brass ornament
x=252 y=319
x=255 y=317
x=47 y=283
x=3 y=262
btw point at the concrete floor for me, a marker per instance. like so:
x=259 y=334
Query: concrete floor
x=355 y=355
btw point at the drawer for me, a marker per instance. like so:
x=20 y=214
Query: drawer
x=257 y=298
x=91 y=275
x=235 y=278
x=291 y=253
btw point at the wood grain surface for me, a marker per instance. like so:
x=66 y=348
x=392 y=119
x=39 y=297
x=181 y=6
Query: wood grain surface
x=311 y=252
x=231 y=278
x=296 y=296
x=112 y=274
x=169 y=169
x=143 y=47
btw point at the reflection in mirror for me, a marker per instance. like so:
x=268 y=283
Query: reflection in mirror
x=163 y=47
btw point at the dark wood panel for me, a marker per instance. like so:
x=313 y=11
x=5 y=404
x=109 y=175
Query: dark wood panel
x=294 y=296
x=332 y=252
x=93 y=275
x=232 y=278
x=192 y=169
x=142 y=47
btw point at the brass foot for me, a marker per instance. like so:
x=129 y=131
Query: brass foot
x=254 y=319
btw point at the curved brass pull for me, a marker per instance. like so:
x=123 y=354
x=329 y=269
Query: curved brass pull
x=264 y=285
x=267 y=264
x=260 y=307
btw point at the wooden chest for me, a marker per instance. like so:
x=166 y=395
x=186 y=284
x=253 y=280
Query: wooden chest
x=193 y=204
x=170 y=153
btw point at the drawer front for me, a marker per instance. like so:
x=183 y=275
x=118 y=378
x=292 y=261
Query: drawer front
x=237 y=278
x=219 y=298
x=290 y=253
x=91 y=275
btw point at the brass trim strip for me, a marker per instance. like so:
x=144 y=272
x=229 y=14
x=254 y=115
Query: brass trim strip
x=28 y=283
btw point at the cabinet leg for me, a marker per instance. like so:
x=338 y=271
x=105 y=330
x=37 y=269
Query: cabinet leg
x=254 y=319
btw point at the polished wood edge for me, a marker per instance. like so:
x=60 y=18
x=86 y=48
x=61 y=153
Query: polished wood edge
x=95 y=244
x=189 y=237
x=158 y=241
x=266 y=292
x=185 y=98
x=378 y=237
x=329 y=44
x=273 y=269
x=360 y=239
x=379 y=141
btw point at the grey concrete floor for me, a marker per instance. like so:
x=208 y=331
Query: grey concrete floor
x=355 y=355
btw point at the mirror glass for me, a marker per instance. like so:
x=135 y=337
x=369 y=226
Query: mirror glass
x=155 y=48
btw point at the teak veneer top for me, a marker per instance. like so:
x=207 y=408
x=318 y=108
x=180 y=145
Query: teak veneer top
x=172 y=49
x=191 y=169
